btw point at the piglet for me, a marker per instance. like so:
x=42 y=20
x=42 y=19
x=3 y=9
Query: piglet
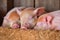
x=28 y=17
x=49 y=21
x=12 y=18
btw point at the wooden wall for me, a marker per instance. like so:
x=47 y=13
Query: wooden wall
x=10 y=4
x=26 y=3
x=3 y=6
x=50 y=5
x=3 y=10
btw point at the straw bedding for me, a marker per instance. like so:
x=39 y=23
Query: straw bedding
x=19 y=34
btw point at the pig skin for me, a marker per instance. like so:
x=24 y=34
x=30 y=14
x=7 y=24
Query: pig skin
x=49 y=21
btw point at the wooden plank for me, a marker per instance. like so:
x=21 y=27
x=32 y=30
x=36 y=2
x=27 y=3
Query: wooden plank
x=3 y=10
x=3 y=7
x=16 y=3
x=50 y=5
x=25 y=3
x=10 y=4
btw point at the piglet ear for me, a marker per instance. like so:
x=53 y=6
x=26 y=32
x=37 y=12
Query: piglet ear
x=19 y=9
x=39 y=11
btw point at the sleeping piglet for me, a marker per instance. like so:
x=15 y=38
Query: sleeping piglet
x=12 y=18
x=28 y=17
x=50 y=21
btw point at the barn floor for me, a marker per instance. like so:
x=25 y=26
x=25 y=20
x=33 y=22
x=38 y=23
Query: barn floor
x=19 y=34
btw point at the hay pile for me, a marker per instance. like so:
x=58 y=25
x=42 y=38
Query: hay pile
x=18 y=34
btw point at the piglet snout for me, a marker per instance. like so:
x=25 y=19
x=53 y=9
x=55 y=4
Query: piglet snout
x=15 y=26
x=26 y=26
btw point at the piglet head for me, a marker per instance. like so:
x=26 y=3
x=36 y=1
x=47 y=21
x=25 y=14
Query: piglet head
x=44 y=22
x=27 y=18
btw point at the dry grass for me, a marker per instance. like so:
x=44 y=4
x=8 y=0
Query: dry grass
x=19 y=34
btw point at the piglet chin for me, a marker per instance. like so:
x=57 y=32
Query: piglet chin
x=15 y=26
